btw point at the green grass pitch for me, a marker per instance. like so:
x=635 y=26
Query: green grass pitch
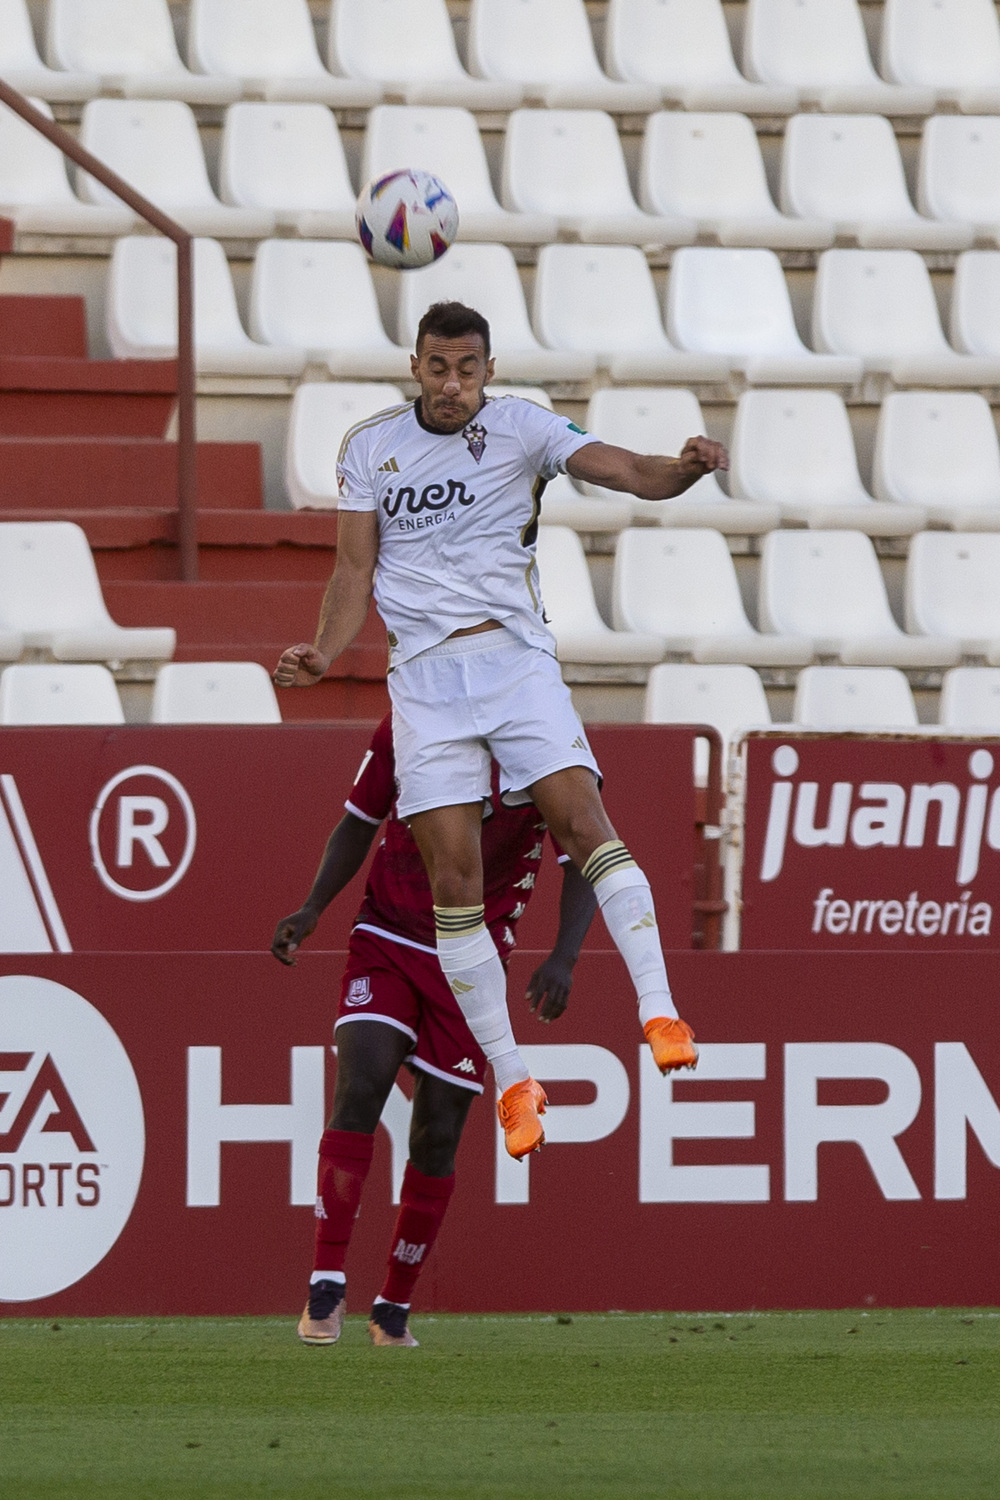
x=839 y=1405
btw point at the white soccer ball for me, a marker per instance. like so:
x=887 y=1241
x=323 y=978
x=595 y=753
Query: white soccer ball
x=406 y=219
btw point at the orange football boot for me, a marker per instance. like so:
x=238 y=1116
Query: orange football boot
x=519 y=1108
x=672 y=1041
x=383 y=1339
x=322 y=1331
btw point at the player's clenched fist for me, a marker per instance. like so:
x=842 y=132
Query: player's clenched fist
x=300 y=666
x=701 y=456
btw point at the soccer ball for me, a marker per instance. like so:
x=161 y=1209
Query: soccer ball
x=406 y=219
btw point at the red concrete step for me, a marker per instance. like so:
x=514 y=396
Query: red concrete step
x=67 y=473
x=243 y=621
x=43 y=327
x=62 y=397
x=235 y=545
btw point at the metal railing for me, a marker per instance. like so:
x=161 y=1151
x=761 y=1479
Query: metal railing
x=187 y=458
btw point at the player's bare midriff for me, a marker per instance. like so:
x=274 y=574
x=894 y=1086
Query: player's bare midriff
x=477 y=629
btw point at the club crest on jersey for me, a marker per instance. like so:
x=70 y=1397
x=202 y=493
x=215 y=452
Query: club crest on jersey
x=475 y=437
x=359 y=991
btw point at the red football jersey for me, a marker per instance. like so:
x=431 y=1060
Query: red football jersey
x=398 y=895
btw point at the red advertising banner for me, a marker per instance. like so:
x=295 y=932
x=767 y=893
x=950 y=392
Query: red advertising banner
x=159 y=839
x=839 y=1145
x=870 y=841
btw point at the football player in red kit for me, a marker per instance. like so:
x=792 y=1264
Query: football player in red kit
x=394 y=984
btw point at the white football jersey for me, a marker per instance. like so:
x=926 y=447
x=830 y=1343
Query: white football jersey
x=458 y=517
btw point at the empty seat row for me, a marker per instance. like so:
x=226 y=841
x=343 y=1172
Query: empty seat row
x=794 y=52
x=51 y=601
x=563 y=173
x=731 y=699
x=202 y=692
x=728 y=313
x=821 y=595
x=937 y=459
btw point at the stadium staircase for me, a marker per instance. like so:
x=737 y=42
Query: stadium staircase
x=87 y=440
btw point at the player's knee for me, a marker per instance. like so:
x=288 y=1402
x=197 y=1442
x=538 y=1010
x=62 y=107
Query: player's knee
x=358 y=1105
x=433 y=1144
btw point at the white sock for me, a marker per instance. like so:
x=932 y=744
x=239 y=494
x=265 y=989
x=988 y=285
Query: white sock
x=472 y=967
x=328 y=1276
x=626 y=903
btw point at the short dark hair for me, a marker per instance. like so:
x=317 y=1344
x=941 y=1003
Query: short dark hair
x=451 y=320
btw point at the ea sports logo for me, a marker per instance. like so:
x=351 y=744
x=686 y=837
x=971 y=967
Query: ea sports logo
x=142 y=833
x=72 y=1137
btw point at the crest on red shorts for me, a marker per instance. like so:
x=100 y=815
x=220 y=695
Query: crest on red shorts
x=359 y=991
x=475 y=436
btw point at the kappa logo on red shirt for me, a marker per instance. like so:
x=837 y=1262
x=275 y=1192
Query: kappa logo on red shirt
x=359 y=991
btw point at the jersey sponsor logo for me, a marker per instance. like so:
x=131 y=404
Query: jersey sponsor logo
x=359 y=991
x=389 y=467
x=573 y=428
x=459 y=987
x=465 y=1066
x=433 y=504
x=475 y=437
x=527 y=883
x=72 y=1137
x=579 y=743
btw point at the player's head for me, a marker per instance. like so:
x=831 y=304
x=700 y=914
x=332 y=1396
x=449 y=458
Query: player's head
x=452 y=364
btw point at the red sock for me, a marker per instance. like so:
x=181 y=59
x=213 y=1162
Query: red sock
x=344 y=1159
x=423 y=1204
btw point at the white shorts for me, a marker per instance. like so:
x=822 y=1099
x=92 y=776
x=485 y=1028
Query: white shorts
x=476 y=696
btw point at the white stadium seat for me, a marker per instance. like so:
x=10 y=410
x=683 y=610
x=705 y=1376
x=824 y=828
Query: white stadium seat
x=562 y=502
x=546 y=46
x=828 y=585
x=447 y=143
x=975 y=308
x=569 y=163
x=970 y=699
x=51 y=694
x=951 y=589
x=951 y=46
x=317 y=296
x=141 y=311
x=734 y=304
x=35 y=190
x=408 y=48
x=288 y=160
x=854 y=698
x=728 y=698
x=270 y=46
x=879 y=306
x=681 y=584
x=683 y=49
x=131 y=44
x=660 y=420
x=154 y=144
x=214 y=692
x=847 y=168
x=601 y=299
x=938 y=449
x=322 y=412
x=819 y=47
x=709 y=167
x=23 y=69
x=581 y=635
x=51 y=595
x=795 y=450
x=959 y=175
x=485 y=277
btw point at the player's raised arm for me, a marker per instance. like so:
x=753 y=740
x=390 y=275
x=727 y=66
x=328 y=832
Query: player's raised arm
x=345 y=853
x=345 y=603
x=549 y=986
x=648 y=476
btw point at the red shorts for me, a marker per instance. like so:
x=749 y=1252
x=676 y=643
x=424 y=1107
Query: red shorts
x=390 y=981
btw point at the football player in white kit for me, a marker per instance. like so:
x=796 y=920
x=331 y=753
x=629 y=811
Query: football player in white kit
x=438 y=514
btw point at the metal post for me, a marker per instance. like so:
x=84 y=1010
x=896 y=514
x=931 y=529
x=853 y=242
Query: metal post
x=187 y=456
